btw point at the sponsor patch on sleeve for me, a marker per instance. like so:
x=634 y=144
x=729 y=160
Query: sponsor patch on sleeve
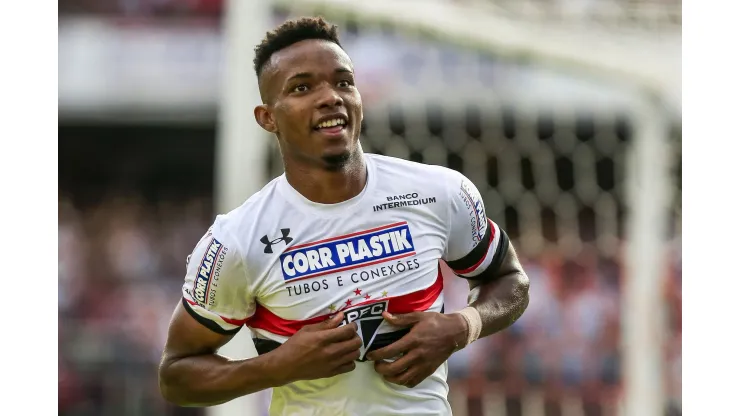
x=474 y=204
x=205 y=272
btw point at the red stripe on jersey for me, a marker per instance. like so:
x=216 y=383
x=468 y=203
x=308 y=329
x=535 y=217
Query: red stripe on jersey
x=237 y=322
x=342 y=237
x=416 y=301
x=485 y=253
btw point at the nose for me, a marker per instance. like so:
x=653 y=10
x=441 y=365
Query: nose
x=328 y=97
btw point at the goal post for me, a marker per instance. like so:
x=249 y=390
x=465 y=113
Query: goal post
x=240 y=146
x=648 y=196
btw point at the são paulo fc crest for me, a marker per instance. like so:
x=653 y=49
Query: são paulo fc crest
x=368 y=318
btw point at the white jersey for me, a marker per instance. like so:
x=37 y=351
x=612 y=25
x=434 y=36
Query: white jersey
x=280 y=261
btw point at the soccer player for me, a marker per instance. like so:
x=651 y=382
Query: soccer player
x=334 y=265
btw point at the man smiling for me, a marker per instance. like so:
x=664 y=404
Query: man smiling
x=334 y=266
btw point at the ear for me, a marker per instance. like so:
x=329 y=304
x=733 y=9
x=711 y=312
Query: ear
x=264 y=118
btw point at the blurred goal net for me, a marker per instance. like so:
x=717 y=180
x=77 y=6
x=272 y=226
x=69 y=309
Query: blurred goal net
x=555 y=182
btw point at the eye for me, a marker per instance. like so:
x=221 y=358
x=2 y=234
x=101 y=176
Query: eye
x=344 y=84
x=300 y=88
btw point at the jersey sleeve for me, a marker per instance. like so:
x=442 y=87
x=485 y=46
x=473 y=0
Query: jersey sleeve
x=474 y=243
x=216 y=291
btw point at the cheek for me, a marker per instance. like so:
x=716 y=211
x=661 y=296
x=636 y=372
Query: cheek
x=354 y=101
x=289 y=119
x=357 y=98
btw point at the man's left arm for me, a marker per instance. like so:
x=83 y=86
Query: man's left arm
x=479 y=251
x=500 y=296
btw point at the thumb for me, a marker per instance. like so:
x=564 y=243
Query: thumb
x=334 y=321
x=330 y=323
x=403 y=319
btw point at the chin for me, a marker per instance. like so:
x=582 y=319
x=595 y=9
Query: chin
x=336 y=160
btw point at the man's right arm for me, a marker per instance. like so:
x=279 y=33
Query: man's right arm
x=216 y=303
x=191 y=373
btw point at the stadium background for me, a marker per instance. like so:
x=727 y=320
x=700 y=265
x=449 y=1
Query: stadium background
x=145 y=145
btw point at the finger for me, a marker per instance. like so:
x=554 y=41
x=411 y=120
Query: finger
x=334 y=321
x=348 y=357
x=330 y=323
x=396 y=367
x=416 y=374
x=408 y=378
x=345 y=347
x=395 y=349
x=342 y=333
x=345 y=368
x=403 y=319
x=399 y=379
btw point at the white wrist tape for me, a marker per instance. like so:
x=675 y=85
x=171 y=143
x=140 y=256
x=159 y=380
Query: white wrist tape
x=472 y=317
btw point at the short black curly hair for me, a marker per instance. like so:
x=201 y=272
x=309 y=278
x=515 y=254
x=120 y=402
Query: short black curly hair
x=290 y=32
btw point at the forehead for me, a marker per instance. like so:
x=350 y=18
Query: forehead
x=307 y=56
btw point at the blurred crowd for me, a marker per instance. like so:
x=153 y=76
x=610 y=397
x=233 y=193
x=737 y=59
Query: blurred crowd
x=121 y=265
x=143 y=8
x=213 y=8
x=567 y=343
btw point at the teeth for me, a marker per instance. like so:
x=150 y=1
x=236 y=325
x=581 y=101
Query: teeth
x=332 y=123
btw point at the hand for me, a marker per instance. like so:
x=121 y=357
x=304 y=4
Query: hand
x=431 y=341
x=318 y=351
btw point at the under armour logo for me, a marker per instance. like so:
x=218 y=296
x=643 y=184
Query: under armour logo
x=268 y=244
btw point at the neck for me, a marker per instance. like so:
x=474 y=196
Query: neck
x=325 y=186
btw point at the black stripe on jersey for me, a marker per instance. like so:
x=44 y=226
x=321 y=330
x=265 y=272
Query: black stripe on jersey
x=263 y=346
x=207 y=322
x=501 y=249
x=384 y=340
x=475 y=255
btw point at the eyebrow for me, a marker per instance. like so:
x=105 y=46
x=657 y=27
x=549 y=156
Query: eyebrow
x=299 y=75
x=303 y=75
